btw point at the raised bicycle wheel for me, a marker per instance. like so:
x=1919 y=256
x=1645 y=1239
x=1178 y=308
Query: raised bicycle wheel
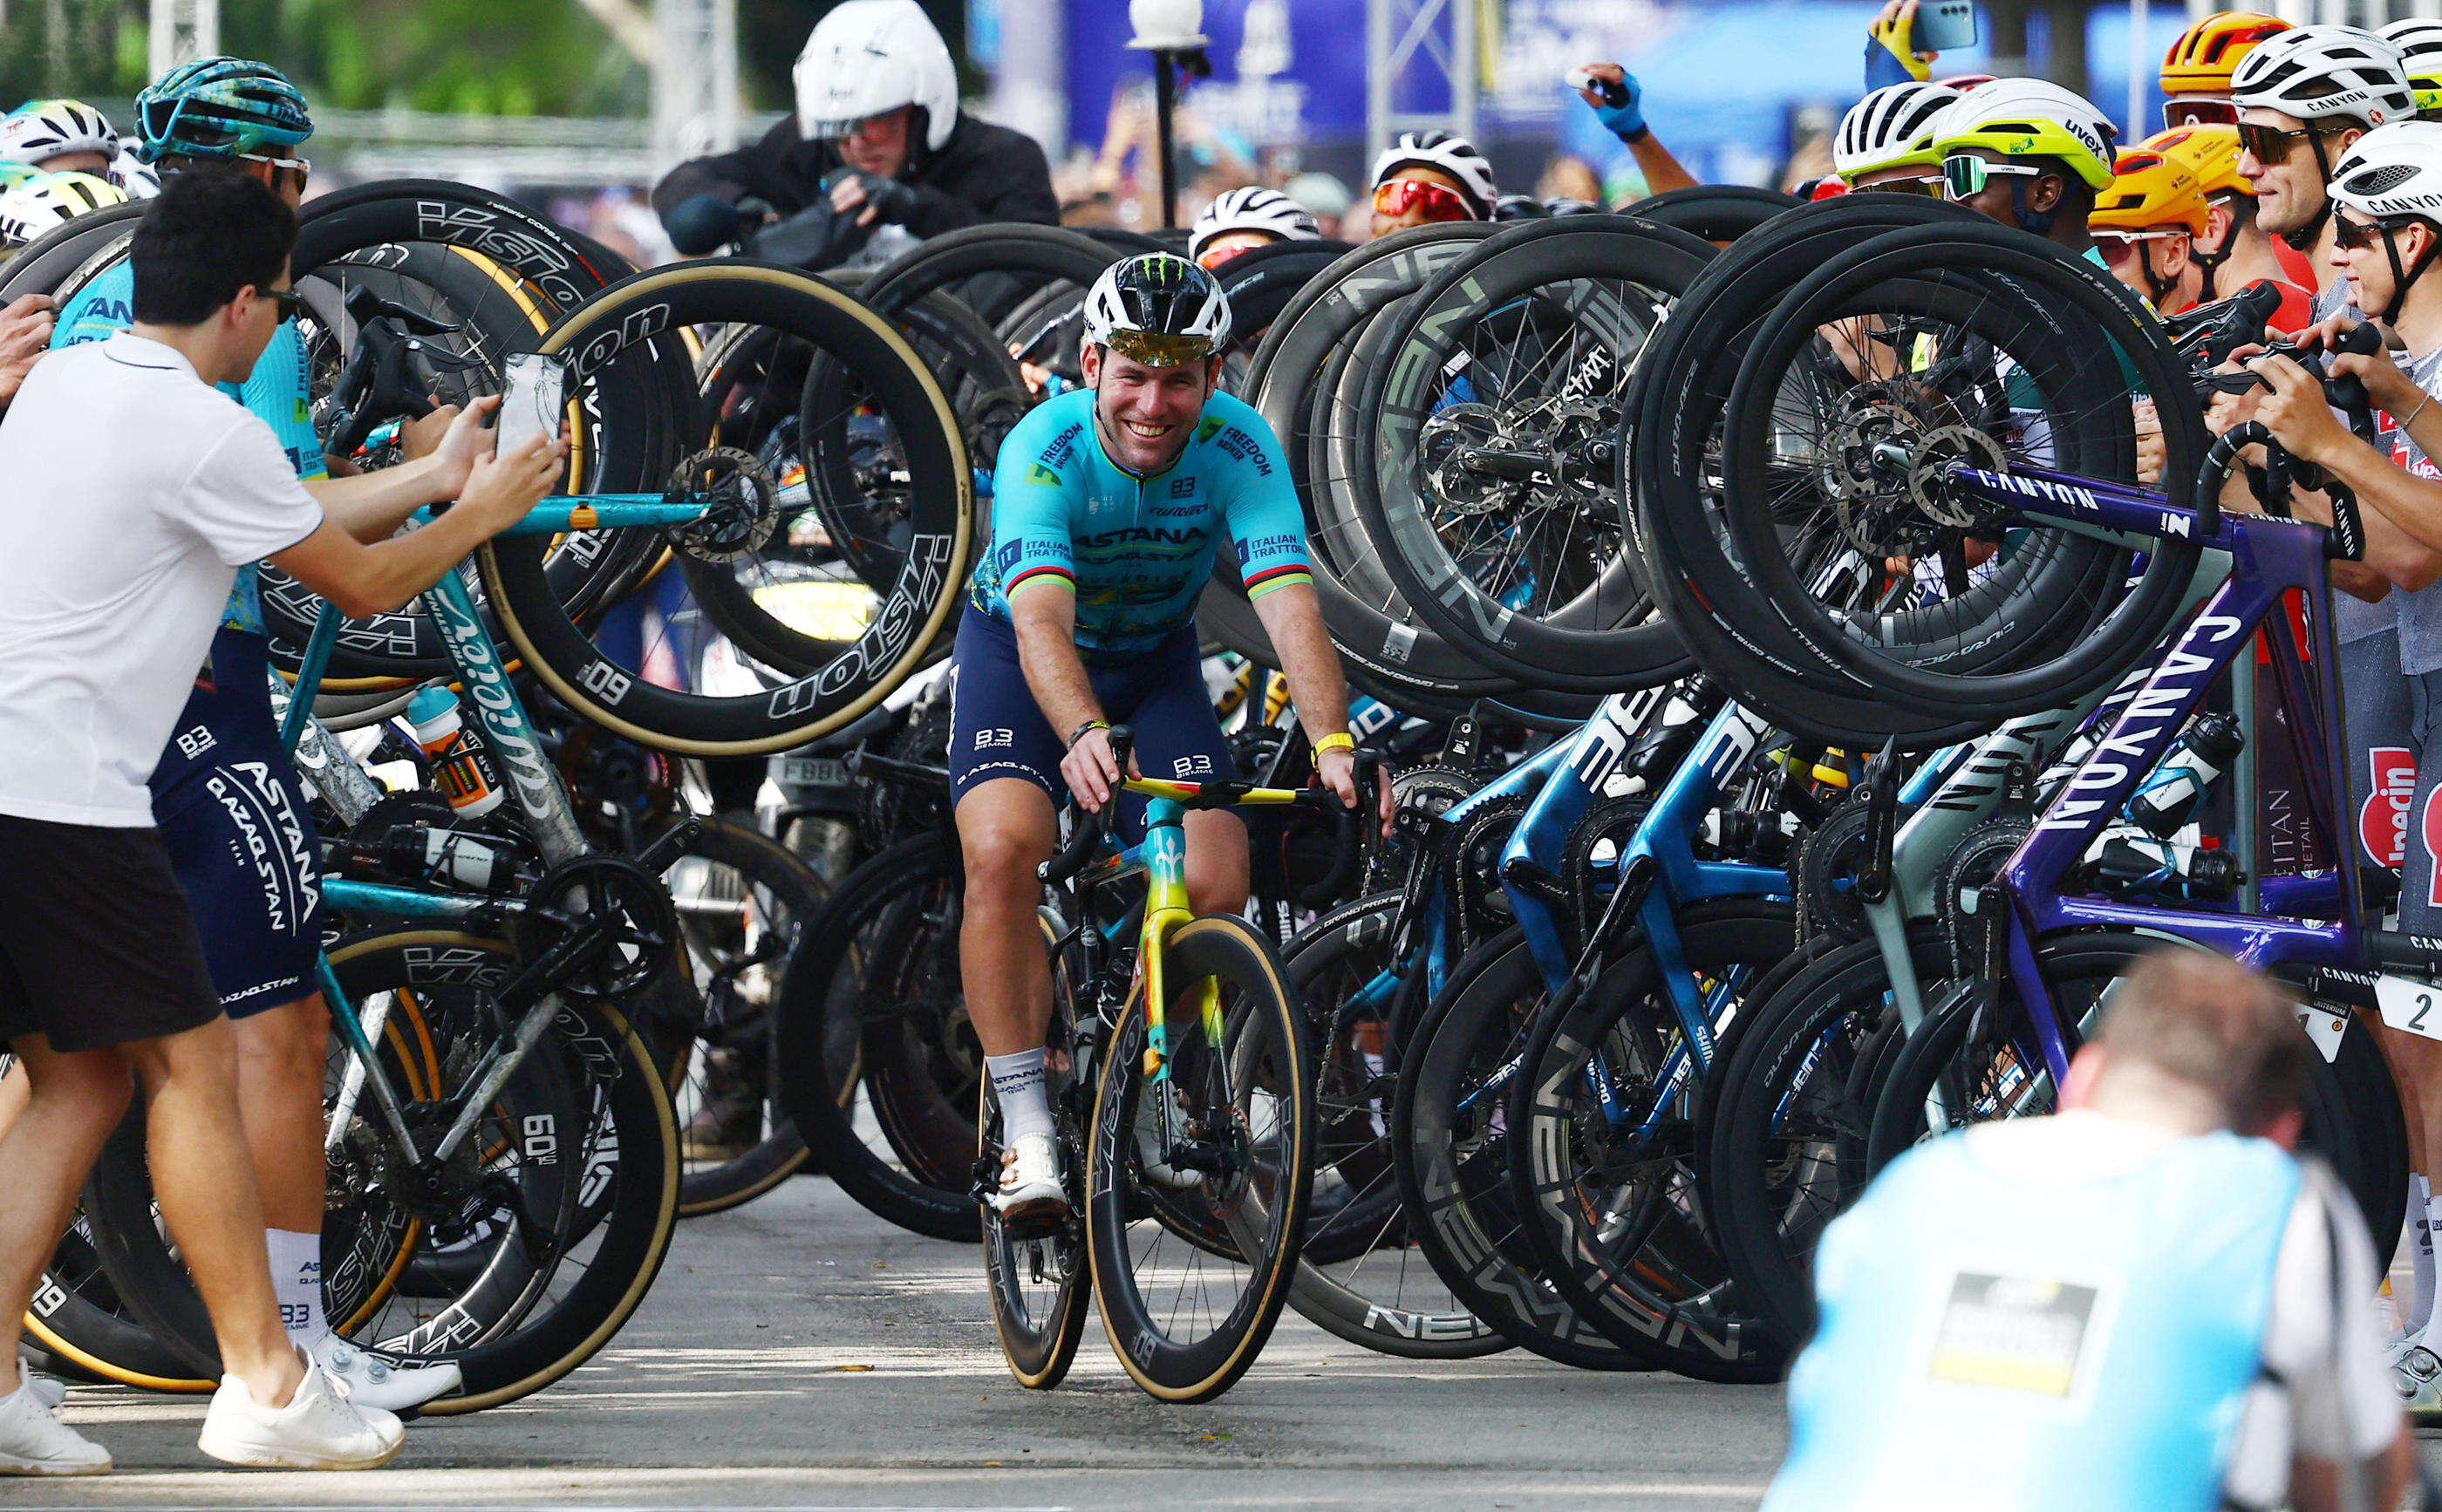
x=860 y=644
x=1224 y=1143
x=1497 y=410
x=1720 y=213
x=582 y=1132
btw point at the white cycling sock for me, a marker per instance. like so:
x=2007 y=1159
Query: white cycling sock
x=296 y=1284
x=1017 y=1086
x=2420 y=1234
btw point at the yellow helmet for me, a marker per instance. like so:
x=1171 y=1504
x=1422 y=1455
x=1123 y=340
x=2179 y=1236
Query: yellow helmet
x=2200 y=62
x=2210 y=153
x=2031 y=118
x=2147 y=192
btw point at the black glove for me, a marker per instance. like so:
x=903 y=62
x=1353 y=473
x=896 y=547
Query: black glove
x=889 y=199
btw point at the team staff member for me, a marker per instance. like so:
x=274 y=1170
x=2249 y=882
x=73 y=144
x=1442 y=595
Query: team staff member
x=104 y=611
x=2142 y=1303
x=1109 y=503
x=877 y=138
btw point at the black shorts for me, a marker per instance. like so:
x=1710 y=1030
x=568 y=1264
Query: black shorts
x=97 y=945
x=997 y=729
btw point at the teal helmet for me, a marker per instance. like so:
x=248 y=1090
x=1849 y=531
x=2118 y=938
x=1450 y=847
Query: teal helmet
x=219 y=108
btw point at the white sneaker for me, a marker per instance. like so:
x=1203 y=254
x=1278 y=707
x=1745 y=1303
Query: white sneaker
x=32 y=1442
x=370 y=1382
x=318 y=1430
x=49 y=1390
x=1031 y=1193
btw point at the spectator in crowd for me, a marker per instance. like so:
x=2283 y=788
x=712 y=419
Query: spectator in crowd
x=1325 y=197
x=877 y=140
x=1568 y=176
x=1891 y=57
x=1618 y=102
x=2147 y=1299
x=1429 y=176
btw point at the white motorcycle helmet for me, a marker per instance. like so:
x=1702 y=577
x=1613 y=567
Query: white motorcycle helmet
x=868 y=56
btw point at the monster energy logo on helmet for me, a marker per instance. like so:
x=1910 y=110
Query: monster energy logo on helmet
x=1158 y=309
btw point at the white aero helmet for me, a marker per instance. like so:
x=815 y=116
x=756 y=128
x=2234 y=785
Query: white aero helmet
x=44 y=129
x=2419 y=42
x=138 y=179
x=1448 y=152
x=1890 y=128
x=2031 y=118
x=868 y=56
x=2392 y=172
x=1157 y=308
x=2325 y=73
x=1252 y=209
x=46 y=200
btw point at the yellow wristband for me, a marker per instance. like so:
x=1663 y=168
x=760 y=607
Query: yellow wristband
x=1336 y=740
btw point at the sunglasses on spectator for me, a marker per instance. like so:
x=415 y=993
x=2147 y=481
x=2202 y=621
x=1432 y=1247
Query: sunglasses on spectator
x=1966 y=175
x=2116 y=247
x=2199 y=113
x=1401 y=195
x=279 y=166
x=2269 y=144
x=290 y=303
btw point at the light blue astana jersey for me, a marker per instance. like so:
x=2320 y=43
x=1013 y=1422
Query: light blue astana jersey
x=277 y=391
x=2014 y=1344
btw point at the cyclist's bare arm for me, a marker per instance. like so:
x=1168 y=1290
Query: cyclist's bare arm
x=1043 y=614
x=373 y=579
x=1292 y=618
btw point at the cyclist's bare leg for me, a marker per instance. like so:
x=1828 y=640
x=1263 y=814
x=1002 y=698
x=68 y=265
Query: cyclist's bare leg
x=69 y=1104
x=210 y=1199
x=1007 y=828
x=1216 y=861
x=280 y=1055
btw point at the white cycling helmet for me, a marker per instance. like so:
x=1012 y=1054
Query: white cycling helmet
x=2419 y=42
x=2325 y=73
x=868 y=56
x=1252 y=209
x=48 y=199
x=138 y=179
x=1448 y=152
x=44 y=129
x=2390 y=174
x=1890 y=128
x=1157 y=308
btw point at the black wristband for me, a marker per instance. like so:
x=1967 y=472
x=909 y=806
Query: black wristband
x=1079 y=734
x=1637 y=136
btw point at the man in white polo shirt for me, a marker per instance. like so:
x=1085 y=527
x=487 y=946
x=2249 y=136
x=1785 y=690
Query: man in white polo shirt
x=131 y=491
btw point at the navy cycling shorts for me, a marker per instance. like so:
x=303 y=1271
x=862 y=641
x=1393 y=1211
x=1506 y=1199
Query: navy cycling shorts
x=227 y=802
x=997 y=729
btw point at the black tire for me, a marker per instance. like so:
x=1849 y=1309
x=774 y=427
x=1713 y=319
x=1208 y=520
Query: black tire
x=1039 y=1283
x=1360 y=1276
x=1185 y=1319
x=1602 y=637
x=761 y=887
x=899 y=632
x=1720 y=213
x=1452 y=1162
x=873 y=1029
x=1621 y=1237
x=628 y=1158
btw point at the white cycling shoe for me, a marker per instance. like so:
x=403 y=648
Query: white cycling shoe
x=32 y=1442
x=2417 y=1374
x=318 y=1430
x=1030 y=1194
x=391 y=1387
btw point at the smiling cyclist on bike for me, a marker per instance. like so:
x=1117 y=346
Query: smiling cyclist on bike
x=1108 y=505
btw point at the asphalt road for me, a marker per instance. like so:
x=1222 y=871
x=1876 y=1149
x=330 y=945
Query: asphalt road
x=798 y=1352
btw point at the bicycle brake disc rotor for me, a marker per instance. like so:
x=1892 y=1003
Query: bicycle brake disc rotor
x=1929 y=479
x=741 y=504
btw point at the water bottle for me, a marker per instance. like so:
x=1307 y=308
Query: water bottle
x=2170 y=794
x=2131 y=862
x=459 y=770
